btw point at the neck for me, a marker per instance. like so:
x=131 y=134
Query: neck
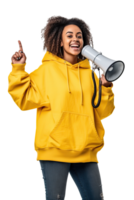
x=70 y=58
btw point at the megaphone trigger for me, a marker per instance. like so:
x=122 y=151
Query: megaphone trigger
x=99 y=72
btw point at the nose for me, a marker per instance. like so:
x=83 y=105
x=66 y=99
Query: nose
x=75 y=38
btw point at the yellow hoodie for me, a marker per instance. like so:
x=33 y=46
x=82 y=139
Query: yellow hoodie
x=68 y=128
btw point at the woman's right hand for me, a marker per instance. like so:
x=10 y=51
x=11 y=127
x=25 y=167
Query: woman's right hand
x=19 y=57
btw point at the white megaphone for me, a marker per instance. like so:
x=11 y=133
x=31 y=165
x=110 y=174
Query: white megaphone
x=112 y=69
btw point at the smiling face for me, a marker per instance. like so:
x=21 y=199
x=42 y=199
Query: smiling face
x=72 y=41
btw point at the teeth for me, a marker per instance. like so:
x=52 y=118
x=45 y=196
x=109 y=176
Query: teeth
x=74 y=46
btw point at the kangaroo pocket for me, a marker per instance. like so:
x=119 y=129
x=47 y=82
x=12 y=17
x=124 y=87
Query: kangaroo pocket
x=74 y=132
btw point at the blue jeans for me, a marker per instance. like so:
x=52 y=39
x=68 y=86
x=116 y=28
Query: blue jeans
x=85 y=175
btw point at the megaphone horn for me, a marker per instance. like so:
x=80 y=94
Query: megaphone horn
x=112 y=69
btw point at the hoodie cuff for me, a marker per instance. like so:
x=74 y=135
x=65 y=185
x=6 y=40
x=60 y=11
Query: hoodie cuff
x=107 y=89
x=18 y=67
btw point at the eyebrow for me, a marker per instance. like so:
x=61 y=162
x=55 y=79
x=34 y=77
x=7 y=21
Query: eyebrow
x=72 y=32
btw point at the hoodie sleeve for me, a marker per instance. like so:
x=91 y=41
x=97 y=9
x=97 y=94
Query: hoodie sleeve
x=27 y=90
x=106 y=106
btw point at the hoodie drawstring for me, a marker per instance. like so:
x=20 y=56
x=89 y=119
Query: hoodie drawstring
x=79 y=81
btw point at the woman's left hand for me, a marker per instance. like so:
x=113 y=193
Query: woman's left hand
x=105 y=82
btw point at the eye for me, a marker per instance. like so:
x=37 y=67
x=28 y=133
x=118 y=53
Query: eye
x=71 y=36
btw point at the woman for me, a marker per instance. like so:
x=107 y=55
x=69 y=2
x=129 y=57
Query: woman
x=69 y=132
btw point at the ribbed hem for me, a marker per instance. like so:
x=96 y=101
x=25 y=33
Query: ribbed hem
x=67 y=156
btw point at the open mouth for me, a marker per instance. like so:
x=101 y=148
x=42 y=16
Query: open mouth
x=76 y=47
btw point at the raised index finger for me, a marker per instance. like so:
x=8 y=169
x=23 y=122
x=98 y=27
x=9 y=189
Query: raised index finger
x=20 y=45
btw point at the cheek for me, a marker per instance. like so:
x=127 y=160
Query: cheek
x=83 y=43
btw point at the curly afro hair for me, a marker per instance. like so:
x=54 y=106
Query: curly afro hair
x=52 y=34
